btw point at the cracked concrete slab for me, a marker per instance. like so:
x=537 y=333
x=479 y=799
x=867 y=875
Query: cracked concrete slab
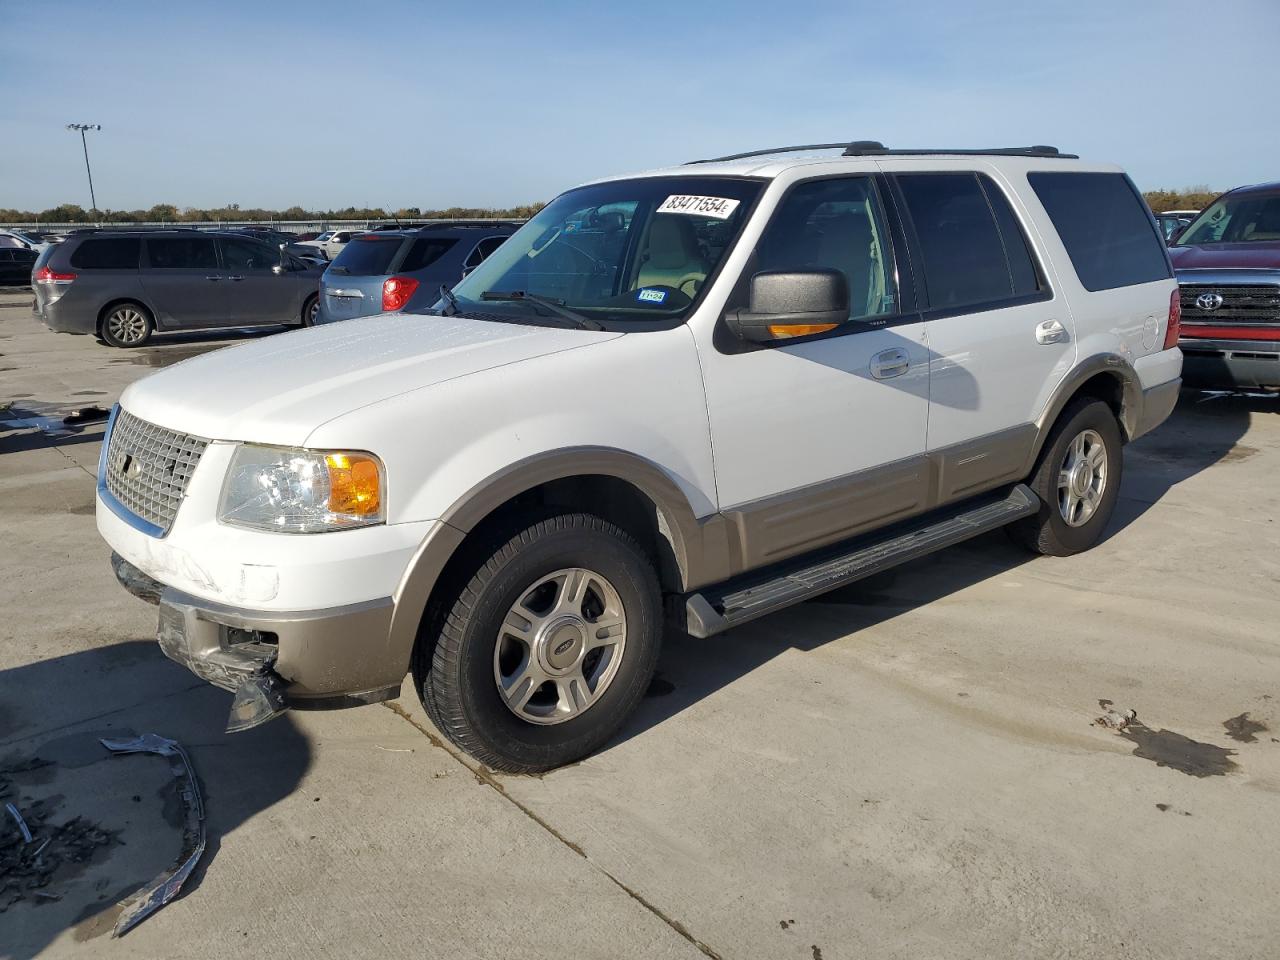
x=906 y=768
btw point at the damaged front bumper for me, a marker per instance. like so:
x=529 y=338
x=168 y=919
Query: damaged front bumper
x=271 y=660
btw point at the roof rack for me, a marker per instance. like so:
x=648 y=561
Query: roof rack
x=874 y=148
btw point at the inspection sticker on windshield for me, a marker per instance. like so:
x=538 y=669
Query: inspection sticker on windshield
x=718 y=208
x=651 y=296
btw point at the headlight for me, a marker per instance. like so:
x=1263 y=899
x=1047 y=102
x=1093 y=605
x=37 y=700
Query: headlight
x=301 y=491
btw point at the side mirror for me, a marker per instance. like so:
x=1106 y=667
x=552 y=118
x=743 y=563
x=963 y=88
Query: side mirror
x=279 y=269
x=792 y=303
x=1177 y=232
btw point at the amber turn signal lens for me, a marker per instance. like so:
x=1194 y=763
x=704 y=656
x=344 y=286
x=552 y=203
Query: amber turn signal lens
x=783 y=330
x=354 y=485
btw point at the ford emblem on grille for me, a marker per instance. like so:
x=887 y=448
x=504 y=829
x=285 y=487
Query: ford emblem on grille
x=1209 y=301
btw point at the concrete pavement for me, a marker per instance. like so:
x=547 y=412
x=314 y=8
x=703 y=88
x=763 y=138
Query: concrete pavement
x=906 y=768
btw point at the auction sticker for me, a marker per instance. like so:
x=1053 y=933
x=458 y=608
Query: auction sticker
x=718 y=208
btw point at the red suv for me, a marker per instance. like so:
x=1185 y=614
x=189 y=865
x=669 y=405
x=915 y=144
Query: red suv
x=1228 y=266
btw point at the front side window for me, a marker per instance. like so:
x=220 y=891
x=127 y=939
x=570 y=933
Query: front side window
x=627 y=250
x=247 y=255
x=965 y=255
x=834 y=225
x=1242 y=218
x=182 y=253
x=1106 y=227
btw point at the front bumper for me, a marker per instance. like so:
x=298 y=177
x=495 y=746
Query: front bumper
x=318 y=659
x=1231 y=364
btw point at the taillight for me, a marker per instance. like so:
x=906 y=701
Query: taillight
x=45 y=275
x=396 y=292
x=1175 y=319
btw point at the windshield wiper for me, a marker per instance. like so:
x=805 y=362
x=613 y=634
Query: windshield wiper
x=580 y=321
x=451 y=302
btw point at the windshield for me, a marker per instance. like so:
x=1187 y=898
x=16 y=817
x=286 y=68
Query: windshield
x=1238 y=218
x=628 y=250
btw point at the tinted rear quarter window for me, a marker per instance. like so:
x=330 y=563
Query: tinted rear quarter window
x=964 y=252
x=368 y=256
x=425 y=252
x=107 y=253
x=178 y=253
x=1104 y=224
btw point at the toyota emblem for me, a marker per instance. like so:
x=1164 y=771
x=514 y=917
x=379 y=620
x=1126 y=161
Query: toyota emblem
x=1209 y=301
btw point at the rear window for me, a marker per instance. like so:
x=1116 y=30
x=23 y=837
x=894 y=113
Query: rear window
x=423 y=253
x=107 y=253
x=368 y=256
x=1105 y=226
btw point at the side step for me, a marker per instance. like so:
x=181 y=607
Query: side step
x=755 y=595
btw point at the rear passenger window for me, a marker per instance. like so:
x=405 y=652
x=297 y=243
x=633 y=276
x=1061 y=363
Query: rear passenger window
x=107 y=253
x=1105 y=226
x=182 y=253
x=968 y=259
x=423 y=253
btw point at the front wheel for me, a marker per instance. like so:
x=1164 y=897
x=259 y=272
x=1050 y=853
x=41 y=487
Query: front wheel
x=311 y=310
x=1077 y=480
x=547 y=648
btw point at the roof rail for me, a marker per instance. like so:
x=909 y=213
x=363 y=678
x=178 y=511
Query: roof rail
x=874 y=148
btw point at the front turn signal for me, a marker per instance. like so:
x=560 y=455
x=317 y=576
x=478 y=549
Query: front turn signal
x=355 y=488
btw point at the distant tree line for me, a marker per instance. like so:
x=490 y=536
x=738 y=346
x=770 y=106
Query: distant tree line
x=168 y=213
x=1188 y=198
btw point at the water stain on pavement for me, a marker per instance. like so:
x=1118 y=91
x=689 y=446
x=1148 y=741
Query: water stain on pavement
x=1168 y=749
x=1243 y=729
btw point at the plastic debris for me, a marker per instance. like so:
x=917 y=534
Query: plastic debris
x=141 y=904
x=22 y=824
x=1115 y=720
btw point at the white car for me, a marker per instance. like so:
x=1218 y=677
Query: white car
x=688 y=398
x=332 y=243
x=22 y=240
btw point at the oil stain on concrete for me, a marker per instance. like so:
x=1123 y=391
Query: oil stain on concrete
x=1244 y=729
x=1168 y=749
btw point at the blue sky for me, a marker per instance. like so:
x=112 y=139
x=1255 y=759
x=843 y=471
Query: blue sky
x=489 y=104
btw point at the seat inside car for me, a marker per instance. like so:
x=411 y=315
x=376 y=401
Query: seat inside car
x=671 y=255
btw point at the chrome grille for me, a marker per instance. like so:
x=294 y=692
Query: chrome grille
x=148 y=468
x=1256 y=303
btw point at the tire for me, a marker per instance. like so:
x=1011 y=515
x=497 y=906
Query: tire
x=513 y=626
x=127 y=324
x=310 y=310
x=1086 y=426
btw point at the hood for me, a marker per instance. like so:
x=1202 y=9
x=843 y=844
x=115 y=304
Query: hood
x=280 y=389
x=1256 y=254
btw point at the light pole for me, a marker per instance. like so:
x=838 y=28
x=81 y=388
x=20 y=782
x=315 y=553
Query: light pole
x=82 y=128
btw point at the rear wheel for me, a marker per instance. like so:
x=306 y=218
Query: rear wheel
x=311 y=310
x=548 y=646
x=127 y=325
x=1077 y=480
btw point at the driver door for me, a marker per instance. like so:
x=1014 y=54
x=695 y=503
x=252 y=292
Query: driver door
x=819 y=438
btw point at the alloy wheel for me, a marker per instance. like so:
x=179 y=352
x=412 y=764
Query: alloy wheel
x=1082 y=478
x=127 y=325
x=560 y=646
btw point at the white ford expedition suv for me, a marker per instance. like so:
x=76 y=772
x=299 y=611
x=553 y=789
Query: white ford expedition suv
x=689 y=397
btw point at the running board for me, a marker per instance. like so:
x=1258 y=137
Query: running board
x=739 y=601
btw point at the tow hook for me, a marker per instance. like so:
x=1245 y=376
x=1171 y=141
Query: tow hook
x=259 y=698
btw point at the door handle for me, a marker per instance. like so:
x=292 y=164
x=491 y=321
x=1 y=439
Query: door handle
x=213 y=278
x=889 y=363
x=235 y=278
x=1051 y=331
